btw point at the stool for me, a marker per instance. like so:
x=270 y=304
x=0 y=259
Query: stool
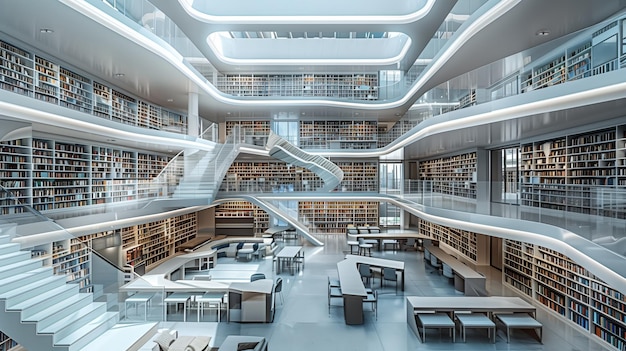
x=467 y=319
x=352 y=245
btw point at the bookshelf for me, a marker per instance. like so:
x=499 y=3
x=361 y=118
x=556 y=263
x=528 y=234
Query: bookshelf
x=326 y=217
x=25 y=73
x=462 y=241
x=76 y=91
x=338 y=134
x=16 y=69
x=577 y=173
x=253 y=132
x=551 y=73
x=228 y=211
x=566 y=288
x=358 y=176
x=579 y=62
x=72 y=258
x=356 y=86
x=47 y=80
x=15 y=173
x=53 y=174
x=452 y=175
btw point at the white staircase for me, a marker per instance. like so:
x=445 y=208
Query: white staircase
x=40 y=311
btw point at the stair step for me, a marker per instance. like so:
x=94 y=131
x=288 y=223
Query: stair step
x=32 y=290
x=52 y=314
x=4 y=239
x=15 y=281
x=9 y=247
x=45 y=300
x=124 y=336
x=13 y=257
x=88 y=332
x=19 y=267
x=75 y=320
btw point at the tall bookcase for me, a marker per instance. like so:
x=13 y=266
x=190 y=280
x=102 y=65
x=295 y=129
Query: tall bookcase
x=453 y=175
x=568 y=289
x=15 y=173
x=241 y=209
x=25 y=73
x=577 y=173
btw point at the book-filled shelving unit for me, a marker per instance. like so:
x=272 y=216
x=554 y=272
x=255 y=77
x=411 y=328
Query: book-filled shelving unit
x=338 y=134
x=53 y=174
x=577 y=173
x=354 y=86
x=333 y=217
x=150 y=243
x=70 y=257
x=452 y=175
x=253 y=132
x=25 y=73
x=463 y=241
x=226 y=212
x=278 y=176
x=568 y=289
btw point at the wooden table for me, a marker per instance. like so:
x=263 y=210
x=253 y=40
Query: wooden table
x=287 y=254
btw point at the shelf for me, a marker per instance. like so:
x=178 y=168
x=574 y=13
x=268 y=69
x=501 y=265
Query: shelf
x=453 y=175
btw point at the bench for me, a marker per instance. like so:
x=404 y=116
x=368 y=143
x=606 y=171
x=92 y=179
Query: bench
x=466 y=279
x=519 y=321
x=242 y=342
x=467 y=319
x=433 y=319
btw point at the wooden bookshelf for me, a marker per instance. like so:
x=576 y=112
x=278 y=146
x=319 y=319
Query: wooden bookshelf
x=148 y=115
x=253 y=132
x=452 y=175
x=576 y=173
x=243 y=209
x=328 y=217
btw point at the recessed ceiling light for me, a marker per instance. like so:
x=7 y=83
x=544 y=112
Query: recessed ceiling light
x=543 y=33
x=46 y=30
x=170 y=100
x=356 y=113
x=119 y=75
x=303 y=113
x=110 y=140
x=228 y=113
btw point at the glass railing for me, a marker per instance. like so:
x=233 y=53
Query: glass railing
x=596 y=213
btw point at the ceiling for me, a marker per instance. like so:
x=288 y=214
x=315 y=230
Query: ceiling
x=104 y=51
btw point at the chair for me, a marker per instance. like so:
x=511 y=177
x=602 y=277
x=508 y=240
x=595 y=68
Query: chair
x=333 y=293
x=335 y=283
x=278 y=289
x=394 y=244
x=372 y=298
x=389 y=274
x=366 y=272
x=257 y=276
x=363 y=246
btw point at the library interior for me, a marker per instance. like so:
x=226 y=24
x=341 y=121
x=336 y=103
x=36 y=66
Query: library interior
x=250 y=175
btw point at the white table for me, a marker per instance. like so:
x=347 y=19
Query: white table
x=138 y=299
x=466 y=279
x=210 y=298
x=287 y=255
x=177 y=298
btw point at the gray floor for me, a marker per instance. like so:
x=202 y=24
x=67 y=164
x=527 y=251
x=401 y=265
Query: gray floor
x=303 y=323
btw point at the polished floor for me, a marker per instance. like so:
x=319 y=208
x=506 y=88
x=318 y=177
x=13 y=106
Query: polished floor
x=303 y=322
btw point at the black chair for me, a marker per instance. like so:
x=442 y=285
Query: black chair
x=333 y=293
x=372 y=298
x=257 y=276
x=278 y=289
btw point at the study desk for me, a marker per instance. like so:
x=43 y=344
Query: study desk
x=379 y=237
x=466 y=279
x=449 y=304
x=379 y=263
x=287 y=255
x=177 y=298
x=137 y=299
x=352 y=287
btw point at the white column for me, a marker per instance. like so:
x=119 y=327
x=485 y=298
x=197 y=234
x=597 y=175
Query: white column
x=193 y=120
